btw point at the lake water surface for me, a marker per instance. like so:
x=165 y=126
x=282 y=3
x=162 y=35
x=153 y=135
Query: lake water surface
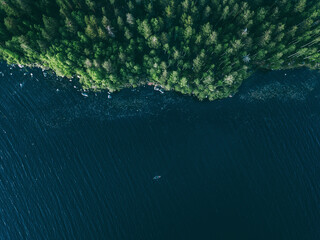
x=75 y=167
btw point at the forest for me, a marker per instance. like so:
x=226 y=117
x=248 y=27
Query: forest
x=203 y=48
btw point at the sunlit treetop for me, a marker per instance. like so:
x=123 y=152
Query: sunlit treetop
x=204 y=48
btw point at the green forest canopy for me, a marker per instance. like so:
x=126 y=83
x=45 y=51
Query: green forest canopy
x=204 y=48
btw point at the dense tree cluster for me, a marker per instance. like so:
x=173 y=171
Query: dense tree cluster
x=201 y=47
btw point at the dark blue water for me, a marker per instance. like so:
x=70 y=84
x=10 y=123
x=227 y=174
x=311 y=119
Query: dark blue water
x=246 y=167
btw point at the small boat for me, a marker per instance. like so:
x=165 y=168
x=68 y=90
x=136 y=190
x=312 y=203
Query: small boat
x=156 y=177
x=85 y=94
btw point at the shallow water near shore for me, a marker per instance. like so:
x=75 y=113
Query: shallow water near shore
x=75 y=167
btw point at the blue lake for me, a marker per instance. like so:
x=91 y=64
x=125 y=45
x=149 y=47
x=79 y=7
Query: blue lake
x=75 y=167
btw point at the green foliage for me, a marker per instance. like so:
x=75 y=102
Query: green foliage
x=204 y=48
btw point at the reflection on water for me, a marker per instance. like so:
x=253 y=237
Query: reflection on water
x=284 y=86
